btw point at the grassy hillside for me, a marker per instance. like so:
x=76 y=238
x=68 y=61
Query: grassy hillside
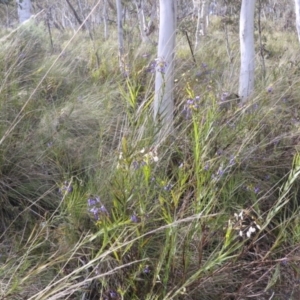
x=92 y=208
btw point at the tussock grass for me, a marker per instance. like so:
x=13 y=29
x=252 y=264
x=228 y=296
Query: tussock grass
x=92 y=208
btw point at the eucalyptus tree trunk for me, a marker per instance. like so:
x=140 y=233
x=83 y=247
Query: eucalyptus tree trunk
x=104 y=17
x=201 y=10
x=120 y=35
x=204 y=16
x=151 y=26
x=140 y=13
x=24 y=10
x=246 y=84
x=164 y=77
x=297 y=10
x=197 y=12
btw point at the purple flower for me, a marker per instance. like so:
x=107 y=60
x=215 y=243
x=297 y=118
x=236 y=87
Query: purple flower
x=256 y=189
x=96 y=208
x=134 y=218
x=168 y=187
x=135 y=165
x=206 y=167
x=219 y=152
x=95 y=211
x=113 y=294
x=66 y=188
x=151 y=67
x=190 y=106
x=220 y=172
x=161 y=65
x=147 y=270
x=103 y=209
x=284 y=261
x=93 y=201
x=190 y=102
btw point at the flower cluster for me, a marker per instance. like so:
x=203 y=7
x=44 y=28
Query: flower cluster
x=204 y=73
x=150 y=156
x=138 y=159
x=147 y=270
x=226 y=165
x=161 y=65
x=190 y=106
x=151 y=67
x=254 y=189
x=270 y=89
x=135 y=219
x=246 y=223
x=66 y=188
x=96 y=208
x=168 y=187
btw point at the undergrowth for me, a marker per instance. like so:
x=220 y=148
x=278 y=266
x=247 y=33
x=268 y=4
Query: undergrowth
x=92 y=208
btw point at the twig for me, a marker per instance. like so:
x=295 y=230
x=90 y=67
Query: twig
x=190 y=45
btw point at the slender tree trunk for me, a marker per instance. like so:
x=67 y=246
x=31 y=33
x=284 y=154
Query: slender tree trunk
x=104 y=17
x=201 y=10
x=164 y=79
x=297 y=10
x=151 y=26
x=246 y=84
x=24 y=10
x=197 y=12
x=204 y=16
x=7 y=16
x=120 y=35
x=142 y=23
x=76 y=15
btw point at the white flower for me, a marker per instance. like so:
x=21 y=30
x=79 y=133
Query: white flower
x=250 y=231
x=121 y=155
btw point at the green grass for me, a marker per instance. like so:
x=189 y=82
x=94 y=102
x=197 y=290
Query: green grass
x=211 y=212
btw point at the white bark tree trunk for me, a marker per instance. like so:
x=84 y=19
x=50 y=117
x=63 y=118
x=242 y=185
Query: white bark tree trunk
x=104 y=17
x=24 y=10
x=120 y=35
x=142 y=23
x=164 y=78
x=197 y=11
x=201 y=10
x=204 y=16
x=297 y=10
x=246 y=84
